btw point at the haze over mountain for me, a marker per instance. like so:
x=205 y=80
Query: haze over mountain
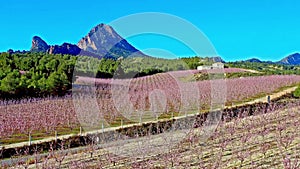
x=101 y=41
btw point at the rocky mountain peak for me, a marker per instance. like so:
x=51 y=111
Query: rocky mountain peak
x=217 y=59
x=101 y=27
x=38 y=45
x=103 y=40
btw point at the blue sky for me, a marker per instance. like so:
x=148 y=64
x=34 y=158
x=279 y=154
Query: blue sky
x=266 y=29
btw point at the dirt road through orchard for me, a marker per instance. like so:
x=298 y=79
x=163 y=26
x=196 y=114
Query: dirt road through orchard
x=265 y=98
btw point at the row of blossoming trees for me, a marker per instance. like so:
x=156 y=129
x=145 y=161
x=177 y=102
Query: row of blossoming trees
x=265 y=136
x=159 y=94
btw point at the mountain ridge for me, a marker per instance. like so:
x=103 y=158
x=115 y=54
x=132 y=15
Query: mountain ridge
x=293 y=59
x=101 y=42
x=39 y=45
x=254 y=60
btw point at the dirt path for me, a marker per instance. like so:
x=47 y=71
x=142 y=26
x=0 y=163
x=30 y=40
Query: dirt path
x=251 y=71
x=265 y=99
x=262 y=99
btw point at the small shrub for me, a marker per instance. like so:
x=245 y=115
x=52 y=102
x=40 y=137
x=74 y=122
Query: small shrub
x=297 y=92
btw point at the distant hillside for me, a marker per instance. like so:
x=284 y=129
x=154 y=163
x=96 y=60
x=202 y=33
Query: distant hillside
x=253 y=60
x=293 y=59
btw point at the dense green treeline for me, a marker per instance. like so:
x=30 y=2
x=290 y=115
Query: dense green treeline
x=40 y=74
x=27 y=75
x=127 y=68
x=142 y=66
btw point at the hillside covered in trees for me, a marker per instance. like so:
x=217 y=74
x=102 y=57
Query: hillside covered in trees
x=39 y=74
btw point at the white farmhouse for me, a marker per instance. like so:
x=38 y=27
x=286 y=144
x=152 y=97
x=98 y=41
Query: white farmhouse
x=204 y=67
x=217 y=65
